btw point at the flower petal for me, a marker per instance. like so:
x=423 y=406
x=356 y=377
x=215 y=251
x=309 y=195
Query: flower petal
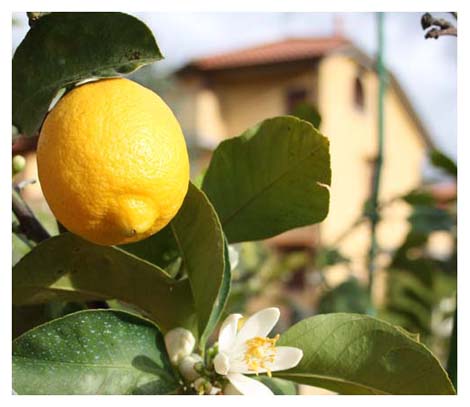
x=228 y=332
x=287 y=357
x=259 y=324
x=231 y=390
x=248 y=386
x=222 y=363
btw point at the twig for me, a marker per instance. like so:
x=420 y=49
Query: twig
x=17 y=231
x=28 y=224
x=436 y=33
x=441 y=28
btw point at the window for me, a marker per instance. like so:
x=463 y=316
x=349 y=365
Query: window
x=358 y=91
x=294 y=97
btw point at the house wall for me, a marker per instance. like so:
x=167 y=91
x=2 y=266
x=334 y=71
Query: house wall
x=232 y=101
x=353 y=145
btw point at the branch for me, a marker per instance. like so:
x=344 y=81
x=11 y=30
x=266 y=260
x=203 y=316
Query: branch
x=436 y=33
x=439 y=27
x=28 y=224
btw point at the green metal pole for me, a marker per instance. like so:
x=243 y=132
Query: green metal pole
x=374 y=215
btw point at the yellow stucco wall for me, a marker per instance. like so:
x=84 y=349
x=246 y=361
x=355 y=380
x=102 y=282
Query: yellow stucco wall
x=353 y=144
x=249 y=96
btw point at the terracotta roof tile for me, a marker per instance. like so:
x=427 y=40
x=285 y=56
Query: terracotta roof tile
x=281 y=51
x=444 y=192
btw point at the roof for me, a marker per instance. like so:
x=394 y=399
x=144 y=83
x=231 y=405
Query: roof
x=296 y=50
x=444 y=193
x=292 y=49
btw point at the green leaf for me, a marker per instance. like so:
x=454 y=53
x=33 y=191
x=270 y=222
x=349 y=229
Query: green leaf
x=200 y=240
x=358 y=354
x=26 y=317
x=220 y=301
x=62 y=49
x=349 y=296
x=279 y=387
x=196 y=237
x=452 y=358
x=270 y=179
x=69 y=268
x=419 y=197
x=308 y=112
x=426 y=219
x=440 y=160
x=93 y=352
x=160 y=249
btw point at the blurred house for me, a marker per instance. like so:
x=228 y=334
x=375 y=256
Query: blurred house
x=220 y=96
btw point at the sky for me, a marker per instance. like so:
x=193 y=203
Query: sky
x=426 y=69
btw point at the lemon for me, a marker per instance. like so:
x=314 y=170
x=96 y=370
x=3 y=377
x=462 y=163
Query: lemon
x=112 y=162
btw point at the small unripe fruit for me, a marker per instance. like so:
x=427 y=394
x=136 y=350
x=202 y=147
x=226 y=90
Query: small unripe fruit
x=18 y=164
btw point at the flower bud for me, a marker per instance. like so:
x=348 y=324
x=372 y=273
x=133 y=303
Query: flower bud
x=203 y=386
x=233 y=257
x=179 y=343
x=222 y=363
x=215 y=390
x=186 y=366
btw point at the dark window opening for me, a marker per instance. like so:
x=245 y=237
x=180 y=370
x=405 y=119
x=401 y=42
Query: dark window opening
x=359 y=98
x=294 y=97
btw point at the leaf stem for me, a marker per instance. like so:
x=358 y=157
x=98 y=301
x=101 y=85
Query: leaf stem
x=28 y=223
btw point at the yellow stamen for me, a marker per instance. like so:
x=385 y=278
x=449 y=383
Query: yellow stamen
x=260 y=353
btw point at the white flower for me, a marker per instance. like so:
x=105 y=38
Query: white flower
x=179 y=343
x=233 y=257
x=248 y=351
x=186 y=366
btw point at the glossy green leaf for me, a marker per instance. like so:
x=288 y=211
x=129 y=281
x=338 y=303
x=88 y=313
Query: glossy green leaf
x=270 y=179
x=196 y=238
x=69 y=268
x=160 y=249
x=358 y=354
x=220 y=300
x=200 y=240
x=93 y=352
x=279 y=387
x=445 y=163
x=62 y=49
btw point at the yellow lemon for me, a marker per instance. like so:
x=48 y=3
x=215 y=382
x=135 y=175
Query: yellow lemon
x=112 y=162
